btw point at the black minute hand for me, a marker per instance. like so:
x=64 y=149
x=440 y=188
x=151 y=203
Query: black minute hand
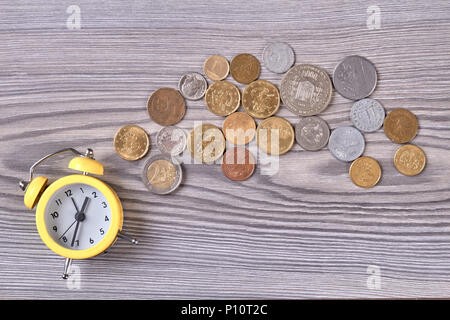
x=79 y=217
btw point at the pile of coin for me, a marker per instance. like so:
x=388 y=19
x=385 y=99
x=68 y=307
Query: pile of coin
x=306 y=90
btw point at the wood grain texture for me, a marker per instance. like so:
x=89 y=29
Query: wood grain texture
x=305 y=232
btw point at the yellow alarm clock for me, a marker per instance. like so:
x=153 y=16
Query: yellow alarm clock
x=77 y=216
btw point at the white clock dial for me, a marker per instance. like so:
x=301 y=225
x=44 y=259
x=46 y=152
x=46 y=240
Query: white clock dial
x=77 y=216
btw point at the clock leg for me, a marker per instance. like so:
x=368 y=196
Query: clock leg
x=125 y=237
x=67 y=265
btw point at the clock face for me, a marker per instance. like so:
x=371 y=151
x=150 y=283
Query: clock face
x=77 y=216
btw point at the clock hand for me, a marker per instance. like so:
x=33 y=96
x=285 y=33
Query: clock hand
x=67 y=230
x=78 y=211
x=80 y=216
x=76 y=207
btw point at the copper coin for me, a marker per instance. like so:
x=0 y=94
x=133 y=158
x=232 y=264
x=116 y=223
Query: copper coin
x=401 y=125
x=216 y=67
x=365 y=172
x=245 y=68
x=131 y=142
x=261 y=99
x=410 y=160
x=166 y=106
x=222 y=98
x=238 y=164
x=239 y=128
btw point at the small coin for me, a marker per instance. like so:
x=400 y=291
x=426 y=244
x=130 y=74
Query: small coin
x=400 y=125
x=171 y=140
x=312 y=133
x=346 y=143
x=245 y=68
x=261 y=99
x=365 y=172
x=206 y=143
x=166 y=106
x=306 y=90
x=192 y=86
x=162 y=174
x=278 y=57
x=131 y=142
x=367 y=115
x=239 y=128
x=410 y=160
x=238 y=164
x=355 y=77
x=216 y=67
x=222 y=98
x=275 y=136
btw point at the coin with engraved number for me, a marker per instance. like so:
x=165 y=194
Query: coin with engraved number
x=410 y=160
x=171 y=140
x=162 y=174
x=355 y=77
x=312 y=133
x=238 y=164
x=306 y=90
x=166 y=106
x=365 y=172
x=206 y=143
x=239 y=128
x=261 y=99
x=275 y=136
x=222 y=98
x=400 y=125
x=131 y=142
x=346 y=143
x=245 y=68
x=278 y=57
x=367 y=115
x=192 y=86
x=216 y=67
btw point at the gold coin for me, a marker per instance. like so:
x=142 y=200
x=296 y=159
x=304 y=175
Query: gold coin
x=245 y=68
x=222 y=98
x=261 y=99
x=410 y=160
x=239 y=128
x=216 y=67
x=275 y=136
x=206 y=143
x=131 y=142
x=161 y=174
x=365 y=172
x=400 y=126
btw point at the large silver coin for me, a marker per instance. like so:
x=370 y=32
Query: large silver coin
x=346 y=143
x=355 y=77
x=312 y=133
x=162 y=174
x=306 y=90
x=192 y=86
x=278 y=57
x=171 y=140
x=367 y=115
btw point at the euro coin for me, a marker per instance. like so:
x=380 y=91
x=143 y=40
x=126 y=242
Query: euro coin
x=245 y=68
x=131 y=142
x=222 y=98
x=216 y=67
x=400 y=125
x=261 y=99
x=239 y=128
x=275 y=136
x=238 y=164
x=365 y=172
x=206 y=143
x=410 y=160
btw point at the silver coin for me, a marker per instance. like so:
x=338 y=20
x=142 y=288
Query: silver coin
x=367 y=115
x=312 y=133
x=278 y=57
x=346 y=143
x=306 y=90
x=192 y=85
x=355 y=77
x=162 y=178
x=171 y=140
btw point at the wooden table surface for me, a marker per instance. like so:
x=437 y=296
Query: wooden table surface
x=304 y=232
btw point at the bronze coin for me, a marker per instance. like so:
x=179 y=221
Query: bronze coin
x=239 y=128
x=245 y=68
x=131 y=142
x=400 y=125
x=206 y=143
x=275 y=136
x=410 y=160
x=166 y=106
x=238 y=164
x=216 y=67
x=261 y=99
x=222 y=98
x=365 y=172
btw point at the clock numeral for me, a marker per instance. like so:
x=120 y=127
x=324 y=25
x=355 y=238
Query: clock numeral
x=55 y=229
x=64 y=239
x=58 y=202
x=55 y=215
x=91 y=241
x=104 y=204
x=106 y=218
x=94 y=194
x=102 y=232
x=68 y=193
